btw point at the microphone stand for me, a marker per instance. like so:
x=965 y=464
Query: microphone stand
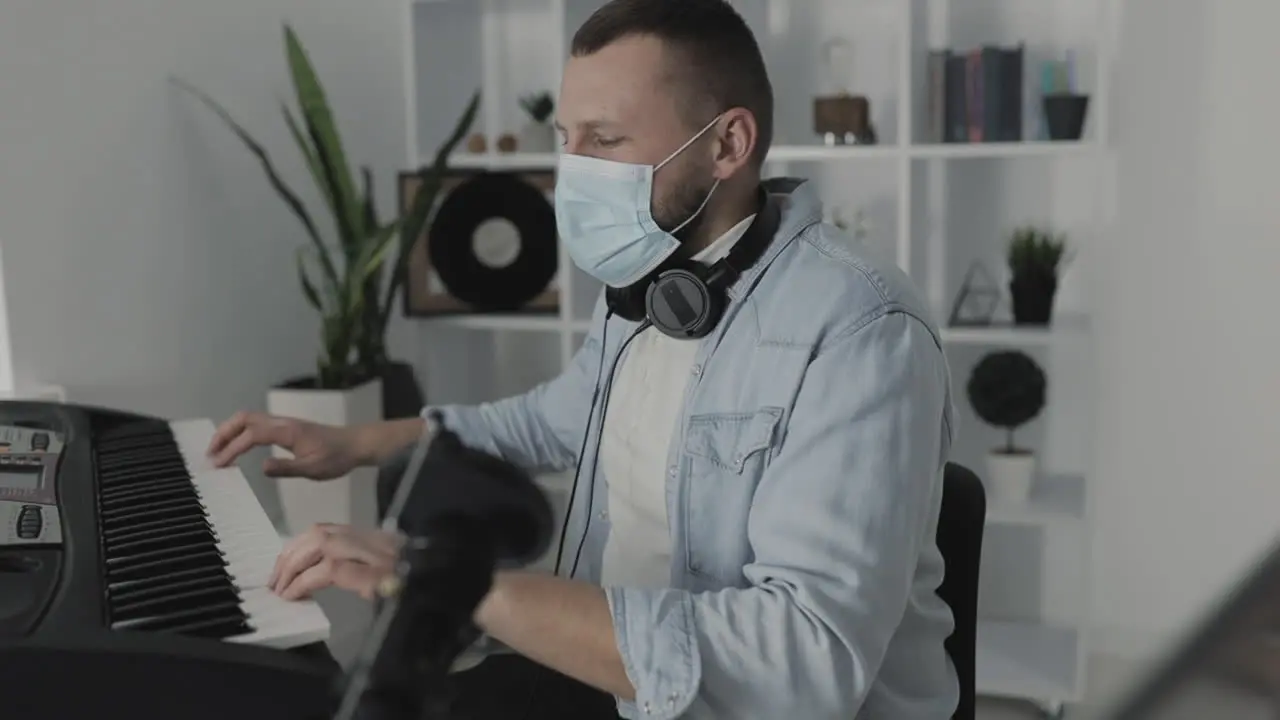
x=425 y=619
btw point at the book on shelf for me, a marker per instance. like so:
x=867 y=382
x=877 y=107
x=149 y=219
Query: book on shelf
x=974 y=96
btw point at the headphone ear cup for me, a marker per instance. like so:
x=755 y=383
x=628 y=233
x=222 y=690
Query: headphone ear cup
x=628 y=302
x=681 y=304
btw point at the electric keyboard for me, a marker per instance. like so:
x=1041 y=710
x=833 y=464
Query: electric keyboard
x=131 y=564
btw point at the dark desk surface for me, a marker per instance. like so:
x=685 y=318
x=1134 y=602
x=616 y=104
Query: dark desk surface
x=320 y=653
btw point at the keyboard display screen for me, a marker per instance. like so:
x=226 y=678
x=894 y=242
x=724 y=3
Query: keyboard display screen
x=11 y=480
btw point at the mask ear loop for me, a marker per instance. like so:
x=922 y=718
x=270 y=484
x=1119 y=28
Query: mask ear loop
x=676 y=154
x=701 y=207
x=691 y=141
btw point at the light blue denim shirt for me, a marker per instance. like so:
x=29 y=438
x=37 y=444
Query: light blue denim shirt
x=804 y=483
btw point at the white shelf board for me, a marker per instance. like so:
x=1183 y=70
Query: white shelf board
x=1027 y=149
x=825 y=153
x=504 y=161
x=500 y=321
x=818 y=153
x=1053 y=499
x=1017 y=335
x=995 y=335
x=1026 y=661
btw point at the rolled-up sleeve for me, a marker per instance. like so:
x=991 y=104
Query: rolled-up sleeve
x=836 y=526
x=541 y=430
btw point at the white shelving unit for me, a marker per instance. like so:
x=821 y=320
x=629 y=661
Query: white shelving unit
x=520 y=44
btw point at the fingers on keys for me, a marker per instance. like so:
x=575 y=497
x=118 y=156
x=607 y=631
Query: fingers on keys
x=241 y=433
x=226 y=431
x=346 y=574
x=298 y=554
x=337 y=555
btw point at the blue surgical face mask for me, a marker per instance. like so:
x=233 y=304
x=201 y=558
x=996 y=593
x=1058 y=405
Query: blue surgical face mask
x=603 y=213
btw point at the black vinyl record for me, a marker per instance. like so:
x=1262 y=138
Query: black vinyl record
x=484 y=286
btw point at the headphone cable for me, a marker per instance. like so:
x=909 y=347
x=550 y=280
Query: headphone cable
x=535 y=682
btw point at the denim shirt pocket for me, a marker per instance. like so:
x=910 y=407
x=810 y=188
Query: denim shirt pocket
x=724 y=455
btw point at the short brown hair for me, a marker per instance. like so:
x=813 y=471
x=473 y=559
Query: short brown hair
x=725 y=66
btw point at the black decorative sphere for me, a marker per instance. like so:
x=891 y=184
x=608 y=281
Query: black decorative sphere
x=1007 y=389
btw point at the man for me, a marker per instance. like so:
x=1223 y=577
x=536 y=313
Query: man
x=757 y=538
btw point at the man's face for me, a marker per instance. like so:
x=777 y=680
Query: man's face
x=623 y=104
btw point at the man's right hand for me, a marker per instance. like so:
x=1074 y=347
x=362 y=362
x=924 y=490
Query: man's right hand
x=320 y=452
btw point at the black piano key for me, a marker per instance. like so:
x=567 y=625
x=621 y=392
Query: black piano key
x=152 y=493
x=134 y=474
x=125 y=433
x=127 y=479
x=153 y=511
x=214 y=627
x=143 y=494
x=225 y=610
x=117 y=446
x=161 y=581
x=127 y=559
x=181 y=601
x=126 y=452
x=211 y=559
x=135 y=429
x=148 y=460
x=158 y=539
x=169 y=524
x=152 y=588
x=163 y=568
x=132 y=448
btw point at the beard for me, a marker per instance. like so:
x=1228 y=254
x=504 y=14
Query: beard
x=682 y=202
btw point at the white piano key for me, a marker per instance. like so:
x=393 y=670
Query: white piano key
x=282 y=623
x=248 y=539
x=250 y=543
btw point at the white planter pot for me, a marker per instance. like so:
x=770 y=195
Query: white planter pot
x=351 y=499
x=1008 y=480
x=538 y=138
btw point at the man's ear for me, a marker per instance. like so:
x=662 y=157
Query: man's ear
x=737 y=134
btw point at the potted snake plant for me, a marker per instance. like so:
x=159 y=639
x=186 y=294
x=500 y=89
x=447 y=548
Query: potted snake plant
x=350 y=281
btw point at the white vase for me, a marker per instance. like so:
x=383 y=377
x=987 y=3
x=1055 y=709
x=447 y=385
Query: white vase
x=537 y=137
x=1009 y=477
x=350 y=499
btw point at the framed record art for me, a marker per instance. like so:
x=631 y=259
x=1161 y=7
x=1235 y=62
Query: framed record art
x=490 y=245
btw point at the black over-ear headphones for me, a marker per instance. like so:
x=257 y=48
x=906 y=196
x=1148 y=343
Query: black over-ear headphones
x=685 y=299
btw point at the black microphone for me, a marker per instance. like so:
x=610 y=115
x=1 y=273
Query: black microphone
x=464 y=512
x=456 y=483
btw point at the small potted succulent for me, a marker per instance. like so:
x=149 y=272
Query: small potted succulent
x=538 y=135
x=1007 y=389
x=1035 y=257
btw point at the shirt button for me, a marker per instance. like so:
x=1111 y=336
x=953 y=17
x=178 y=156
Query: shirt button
x=647 y=709
x=697 y=370
x=671 y=471
x=604 y=514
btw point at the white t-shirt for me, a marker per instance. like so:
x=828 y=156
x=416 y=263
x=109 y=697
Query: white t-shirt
x=640 y=421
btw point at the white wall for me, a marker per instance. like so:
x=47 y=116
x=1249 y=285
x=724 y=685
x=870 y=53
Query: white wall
x=147 y=263
x=1188 y=463
x=6 y=351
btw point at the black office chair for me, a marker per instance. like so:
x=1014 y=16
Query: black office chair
x=960 y=526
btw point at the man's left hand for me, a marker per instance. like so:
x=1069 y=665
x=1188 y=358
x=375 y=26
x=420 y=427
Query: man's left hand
x=335 y=555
